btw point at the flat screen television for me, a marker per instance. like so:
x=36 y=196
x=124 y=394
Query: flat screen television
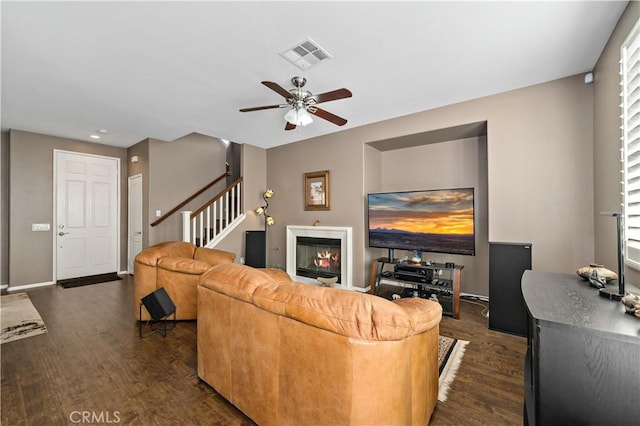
x=440 y=220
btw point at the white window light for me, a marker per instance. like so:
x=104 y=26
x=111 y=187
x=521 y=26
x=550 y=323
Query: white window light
x=630 y=108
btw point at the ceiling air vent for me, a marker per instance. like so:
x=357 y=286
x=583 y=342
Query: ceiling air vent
x=306 y=54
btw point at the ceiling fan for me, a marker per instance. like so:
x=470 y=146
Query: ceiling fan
x=301 y=103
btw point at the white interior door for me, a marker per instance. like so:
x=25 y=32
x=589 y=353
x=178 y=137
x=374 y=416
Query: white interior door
x=135 y=218
x=87 y=209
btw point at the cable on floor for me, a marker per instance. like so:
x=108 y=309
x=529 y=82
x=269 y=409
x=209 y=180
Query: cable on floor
x=472 y=300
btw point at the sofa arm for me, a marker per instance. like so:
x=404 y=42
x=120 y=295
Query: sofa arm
x=144 y=282
x=145 y=269
x=423 y=314
x=150 y=255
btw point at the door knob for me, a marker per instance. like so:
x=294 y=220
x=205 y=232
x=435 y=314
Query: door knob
x=62 y=233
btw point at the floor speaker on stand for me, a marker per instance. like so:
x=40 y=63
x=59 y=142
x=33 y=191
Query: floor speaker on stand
x=160 y=307
x=507 y=263
x=255 y=253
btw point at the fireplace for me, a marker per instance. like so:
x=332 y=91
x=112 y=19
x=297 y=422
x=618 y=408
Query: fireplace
x=319 y=251
x=318 y=257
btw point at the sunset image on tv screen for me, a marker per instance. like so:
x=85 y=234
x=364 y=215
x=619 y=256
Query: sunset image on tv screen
x=432 y=220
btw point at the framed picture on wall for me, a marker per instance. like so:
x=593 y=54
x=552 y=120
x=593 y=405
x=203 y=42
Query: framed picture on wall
x=316 y=190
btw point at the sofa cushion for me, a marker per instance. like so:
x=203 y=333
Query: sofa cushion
x=213 y=256
x=235 y=280
x=345 y=312
x=276 y=274
x=183 y=265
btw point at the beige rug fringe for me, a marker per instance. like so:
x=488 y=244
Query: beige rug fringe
x=451 y=369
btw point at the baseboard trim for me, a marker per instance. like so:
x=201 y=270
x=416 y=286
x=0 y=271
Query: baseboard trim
x=28 y=286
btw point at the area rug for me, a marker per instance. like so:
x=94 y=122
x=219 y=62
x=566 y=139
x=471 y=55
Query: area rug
x=91 y=279
x=19 y=318
x=450 y=353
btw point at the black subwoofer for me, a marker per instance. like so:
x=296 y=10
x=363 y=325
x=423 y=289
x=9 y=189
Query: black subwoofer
x=159 y=304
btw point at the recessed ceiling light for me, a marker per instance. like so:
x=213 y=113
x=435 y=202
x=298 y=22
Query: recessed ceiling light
x=103 y=131
x=94 y=136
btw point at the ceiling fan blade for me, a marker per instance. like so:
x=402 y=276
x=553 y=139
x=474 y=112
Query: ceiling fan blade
x=289 y=126
x=262 y=107
x=278 y=89
x=327 y=116
x=333 y=95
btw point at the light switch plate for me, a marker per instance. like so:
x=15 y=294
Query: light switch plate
x=158 y=213
x=38 y=227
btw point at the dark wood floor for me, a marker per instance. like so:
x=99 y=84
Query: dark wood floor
x=93 y=363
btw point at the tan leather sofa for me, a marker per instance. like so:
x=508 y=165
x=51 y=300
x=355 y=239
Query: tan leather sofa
x=292 y=354
x=176 y=266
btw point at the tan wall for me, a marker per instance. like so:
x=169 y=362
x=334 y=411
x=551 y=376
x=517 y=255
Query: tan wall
x=453 y=164
x=254 y=173
x=177 y=169
x=31 y=201
x=286 y=166
x=141 y=150
x=252 y=166
x=606 y=129
x=539 y=189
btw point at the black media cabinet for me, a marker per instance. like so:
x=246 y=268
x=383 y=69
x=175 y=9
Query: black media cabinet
x=422 y=280
x=583 y=356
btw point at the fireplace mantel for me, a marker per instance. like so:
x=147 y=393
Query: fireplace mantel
x=344 y=234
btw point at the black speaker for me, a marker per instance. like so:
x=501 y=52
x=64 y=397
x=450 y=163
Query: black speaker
x=255 y=251
x=507 y=310
x=159 y=304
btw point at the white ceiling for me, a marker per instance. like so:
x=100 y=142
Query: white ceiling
x=166 y=69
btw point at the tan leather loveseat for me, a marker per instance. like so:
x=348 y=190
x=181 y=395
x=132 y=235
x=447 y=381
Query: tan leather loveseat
x=292 y=354
x=176 y=266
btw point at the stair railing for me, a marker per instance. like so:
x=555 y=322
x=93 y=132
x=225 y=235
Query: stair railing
x=195 y=194
x=216 y=218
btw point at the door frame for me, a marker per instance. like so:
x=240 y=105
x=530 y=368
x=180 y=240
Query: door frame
x=129 y=179
x=56 y=152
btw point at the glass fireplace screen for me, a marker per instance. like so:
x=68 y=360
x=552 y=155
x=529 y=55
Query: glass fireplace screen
x=318 y=257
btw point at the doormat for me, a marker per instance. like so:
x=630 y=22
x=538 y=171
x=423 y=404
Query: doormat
x=91 y=279
x=450 y=353
x=19 y=318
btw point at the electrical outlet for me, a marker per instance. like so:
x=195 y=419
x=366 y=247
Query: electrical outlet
x=242 y=260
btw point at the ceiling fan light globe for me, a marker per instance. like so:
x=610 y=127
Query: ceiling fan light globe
x=304 y=117
x=291 y=116
x=298 y=116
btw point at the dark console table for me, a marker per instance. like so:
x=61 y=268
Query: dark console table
x=583 y=357
x=447 y=284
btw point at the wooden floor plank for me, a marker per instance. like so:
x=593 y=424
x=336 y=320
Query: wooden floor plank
x=92 y=360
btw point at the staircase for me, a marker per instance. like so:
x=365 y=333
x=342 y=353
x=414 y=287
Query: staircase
x=212 y=222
